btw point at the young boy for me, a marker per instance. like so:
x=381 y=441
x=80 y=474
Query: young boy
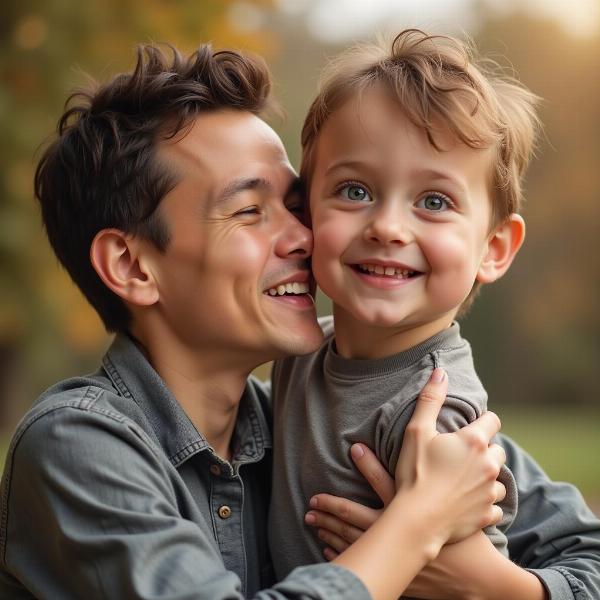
x=414 y=159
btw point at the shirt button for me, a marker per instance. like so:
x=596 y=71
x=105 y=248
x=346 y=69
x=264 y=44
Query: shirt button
x=224 y=512
x=215 y=470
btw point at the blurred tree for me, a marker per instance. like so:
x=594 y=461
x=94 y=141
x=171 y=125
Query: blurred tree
x=536 y=332
x=47 y=330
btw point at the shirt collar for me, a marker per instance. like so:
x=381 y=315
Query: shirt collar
x=135 y=378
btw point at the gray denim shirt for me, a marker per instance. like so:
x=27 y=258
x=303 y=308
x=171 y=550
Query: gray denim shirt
x=109 y=491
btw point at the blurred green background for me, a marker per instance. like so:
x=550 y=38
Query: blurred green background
x=535 y=334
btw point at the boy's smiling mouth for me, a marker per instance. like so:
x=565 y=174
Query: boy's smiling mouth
x=385 y=270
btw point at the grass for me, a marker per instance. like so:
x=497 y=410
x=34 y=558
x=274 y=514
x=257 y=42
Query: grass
x=566 y=443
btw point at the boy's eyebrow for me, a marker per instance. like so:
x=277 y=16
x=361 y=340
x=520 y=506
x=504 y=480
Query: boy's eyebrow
x=350 y=163
x=434 y=174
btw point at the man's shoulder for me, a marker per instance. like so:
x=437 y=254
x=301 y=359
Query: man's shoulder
x=64 y=411
x=92 y=393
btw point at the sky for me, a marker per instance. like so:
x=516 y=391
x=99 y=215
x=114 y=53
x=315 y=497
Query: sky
x=341 y=20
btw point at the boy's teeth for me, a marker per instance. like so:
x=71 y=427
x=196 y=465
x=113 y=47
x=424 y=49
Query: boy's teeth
x=389 y=271
x=289 y=288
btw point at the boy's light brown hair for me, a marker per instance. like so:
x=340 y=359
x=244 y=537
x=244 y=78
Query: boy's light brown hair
x=438 y=82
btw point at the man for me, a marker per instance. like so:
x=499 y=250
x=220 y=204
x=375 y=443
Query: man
x=168 y=201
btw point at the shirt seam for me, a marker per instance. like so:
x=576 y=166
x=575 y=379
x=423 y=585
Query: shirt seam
x=392 y=371
x=84 y=403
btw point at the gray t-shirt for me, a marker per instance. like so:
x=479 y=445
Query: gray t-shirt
x=331 y=402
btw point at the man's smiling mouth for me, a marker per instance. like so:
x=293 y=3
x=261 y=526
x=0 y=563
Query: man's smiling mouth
x=289 y=289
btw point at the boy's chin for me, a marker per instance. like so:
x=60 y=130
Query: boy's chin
x=381 y=318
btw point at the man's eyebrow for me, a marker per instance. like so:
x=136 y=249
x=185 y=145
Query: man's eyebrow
x=241 y=185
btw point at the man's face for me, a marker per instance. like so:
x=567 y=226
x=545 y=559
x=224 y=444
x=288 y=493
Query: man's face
x=234 y=244
x=400 y=228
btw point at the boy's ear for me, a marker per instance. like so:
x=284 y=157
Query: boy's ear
x=120 y=263
x=502 y=247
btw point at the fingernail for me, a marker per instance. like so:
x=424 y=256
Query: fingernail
x=310 y=518
x=357 y=451
x=314 y=502
x=438 y=375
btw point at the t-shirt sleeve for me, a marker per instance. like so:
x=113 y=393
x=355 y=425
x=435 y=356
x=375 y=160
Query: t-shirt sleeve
x=455 y=414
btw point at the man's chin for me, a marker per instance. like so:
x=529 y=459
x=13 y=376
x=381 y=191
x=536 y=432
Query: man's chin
x=304 y=339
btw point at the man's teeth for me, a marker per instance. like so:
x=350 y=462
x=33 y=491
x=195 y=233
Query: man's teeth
x=289 y=288
x=389 y=271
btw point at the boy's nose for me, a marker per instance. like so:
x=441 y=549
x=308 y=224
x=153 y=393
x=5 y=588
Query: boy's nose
x=388 y=227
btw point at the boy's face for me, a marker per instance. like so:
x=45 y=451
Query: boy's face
x=400 y=228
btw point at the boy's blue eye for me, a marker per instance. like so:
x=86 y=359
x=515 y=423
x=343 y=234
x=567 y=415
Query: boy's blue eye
x=434 y=202
x=355 y=193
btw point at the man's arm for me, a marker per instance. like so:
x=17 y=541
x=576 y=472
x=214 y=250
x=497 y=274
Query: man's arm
x=554 y=535
x=89 y=512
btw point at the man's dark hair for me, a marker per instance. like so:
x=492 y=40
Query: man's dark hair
x=101 y=170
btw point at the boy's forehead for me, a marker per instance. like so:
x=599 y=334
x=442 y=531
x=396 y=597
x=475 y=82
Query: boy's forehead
x=377 y=122
x=372 y=130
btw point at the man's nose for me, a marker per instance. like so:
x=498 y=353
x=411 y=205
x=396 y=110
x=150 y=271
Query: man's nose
x=295 y=239
x=389 y=225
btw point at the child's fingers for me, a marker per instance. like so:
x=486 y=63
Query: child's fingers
x=345 y=511
x=374 y=472
x=325 y=521
x=423 y=421
x=332 y=540
x=480 y=432
x=495 y=515
x=499 y=491
x=330 y=554
x=498 y=453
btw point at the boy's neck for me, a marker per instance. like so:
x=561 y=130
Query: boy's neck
x=359 y=340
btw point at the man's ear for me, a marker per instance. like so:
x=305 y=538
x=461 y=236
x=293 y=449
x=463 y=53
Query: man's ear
x=120 y=263
x=502 y=247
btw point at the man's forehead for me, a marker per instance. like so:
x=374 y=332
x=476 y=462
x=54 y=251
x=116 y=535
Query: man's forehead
x=223 y=143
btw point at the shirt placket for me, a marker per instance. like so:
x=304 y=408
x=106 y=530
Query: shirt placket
x=226 y=505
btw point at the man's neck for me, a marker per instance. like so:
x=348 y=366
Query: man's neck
x=355 y=339
x=208 y=386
